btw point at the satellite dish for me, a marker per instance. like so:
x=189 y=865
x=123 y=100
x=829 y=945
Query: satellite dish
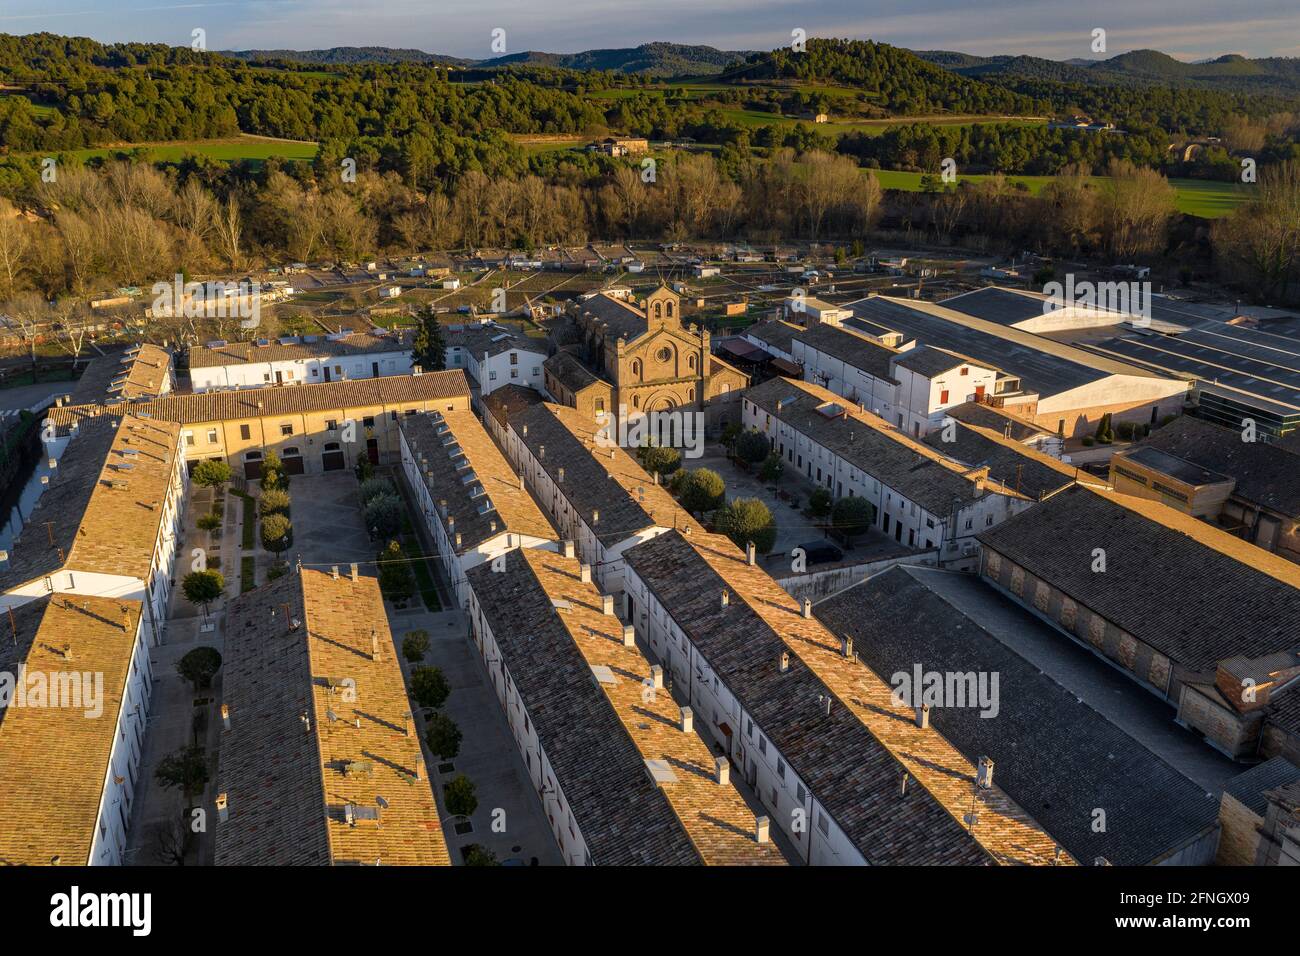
x=331 y=715
x=383 y=804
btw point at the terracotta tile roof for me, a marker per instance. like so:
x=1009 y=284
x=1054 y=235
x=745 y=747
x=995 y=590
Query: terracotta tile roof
x=139 y=372
x=774 y=332
x=898 y=620
x=287 y=400
x=85 y=523
x=308 y=347
x=996 y=419
x=481 y=489
x=853 y=758
x=598 y=477
x=491 y=338
x=1194 y=593
x=621 y=319
x=600 y=735
x=54 y=760
x=289 y=780
x=872 y=445
x=855 y=349
x=568 y=370
x=508 y=399
x=1266 y=473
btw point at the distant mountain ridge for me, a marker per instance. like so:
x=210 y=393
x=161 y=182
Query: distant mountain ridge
x=651 y=59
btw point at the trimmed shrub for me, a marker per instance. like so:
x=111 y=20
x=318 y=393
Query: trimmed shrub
x=395 y=579
x=277 y=533
x=415 y=645
x=210 y=521
x=702 y=490
x=773 y=467
x=443 y=736
x=460 y=797
x=273 y=501
x=384 y=516
x=819 y=502
x=853 y=516
x=747 y=519
x=372 y=488
x=429 y=687
x=656 y=459
x=753 y=447
x=211 y=474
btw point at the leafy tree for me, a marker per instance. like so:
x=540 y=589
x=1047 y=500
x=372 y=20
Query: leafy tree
x=853 y=516
x=186 y=769
x=753 y=447
x=819 y=502
x=203 y=587
x=773 y=468
x=364 y=469
x=702 y=490
x=211 y=474
x=383 y=515
x=428 y=348
x=415 y=645
x=395 y=578
x=460 y=796
x=199 y=666
x=442 y=735
x=429 y=687
x=747 y=519
x=730 y=432
x=273 y=476
x=210 y=521
x=273 y=501
x=658 y=459
x=277 y=533
x=476 y=855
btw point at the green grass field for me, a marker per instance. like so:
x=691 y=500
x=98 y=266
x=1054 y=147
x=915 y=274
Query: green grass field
x=1195 y=197
x=40 y=109
x=227 y=150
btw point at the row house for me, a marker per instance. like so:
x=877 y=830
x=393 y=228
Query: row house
x=299 y=360
x=851 y=775
x=620 y=770
x=594 y=491
x=494 y=356
x=108 y=524
x=922 y=498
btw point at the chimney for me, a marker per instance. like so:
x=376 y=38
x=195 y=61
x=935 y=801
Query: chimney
x=657 y=677
x=923 y=716
x=458 y=539
x=762 y=829
x=656 y=477
x=607 y=604
x=595 y=516
x=525 y=432
x=451 y=522
x=334 y=571
x=722 y=769
x=726 y=597
x=807 y=607
x=688 y=720
x=442 y=507
x=568 y=548
x=223 y=807
x=751 y=554
x=225 y=716
x=629 y=635
x=784 y=663
x=584 y=573
x=521 y=481
x=560 y=475
x=846 y=643
x=355 y=577
x=374 y=645
x=984 y=774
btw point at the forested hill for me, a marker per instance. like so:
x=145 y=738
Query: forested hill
x=346 y=56
x=650 y=59
x=903 y=82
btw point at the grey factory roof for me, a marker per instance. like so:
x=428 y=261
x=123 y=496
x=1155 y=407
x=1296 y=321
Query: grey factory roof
x=1043 y=365
x=1180 y=468
x=1267 y=473
x=1196 y=594
x=1003 y=306
x=1262 y=364
x=1015 y=465
x=1249 y=788
x=774 y=333
x=897 y=621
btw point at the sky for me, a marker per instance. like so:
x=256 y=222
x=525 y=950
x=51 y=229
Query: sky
x=1059 y=29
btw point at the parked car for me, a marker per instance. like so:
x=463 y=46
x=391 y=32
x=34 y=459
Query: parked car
x=821 y=552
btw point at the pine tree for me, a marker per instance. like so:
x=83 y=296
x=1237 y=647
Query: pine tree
x=429 y=349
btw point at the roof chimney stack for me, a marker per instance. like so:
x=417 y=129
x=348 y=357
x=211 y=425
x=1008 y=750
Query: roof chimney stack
x=225 y=716
x=784 y=662
x=807 y=607
x=656 y=677
x=223 y=807
x=568 y=548
x=722 y=769
x=629 y=635
x=607 y=604
x=846 y=643
x=688 y=720
x=584 y=573
x=923 y=716
x=726 y=597
x=751 y=554
x=984 y=774
x=355 y=576
x=762 y=829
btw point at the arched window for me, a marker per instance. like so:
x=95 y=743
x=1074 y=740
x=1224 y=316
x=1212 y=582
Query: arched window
x=690 y=393
x=670 y=309
x=636 y=367
x=636 y=401
x=691 y=362
x=659 y=310
x=252 y=456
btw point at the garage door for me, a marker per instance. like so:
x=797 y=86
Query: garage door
x=333 y=457
x=252 y=470
x=293 y=464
